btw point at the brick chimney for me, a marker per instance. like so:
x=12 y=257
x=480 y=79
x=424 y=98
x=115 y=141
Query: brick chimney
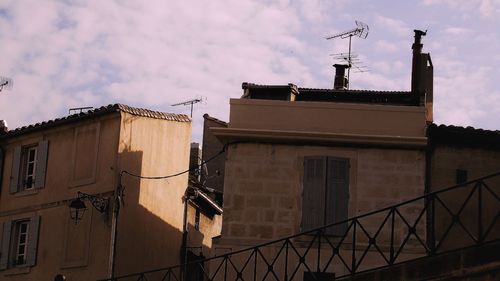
x=422 y=73
x=340 y=81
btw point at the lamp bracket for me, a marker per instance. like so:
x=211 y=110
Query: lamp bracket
x=99 y=203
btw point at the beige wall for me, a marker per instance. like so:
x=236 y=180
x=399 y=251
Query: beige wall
x=263 y=186
x=79 y=251
x=328 y=117
x=150 y=224
x=210 y=227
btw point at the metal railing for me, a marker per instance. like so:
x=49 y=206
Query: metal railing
x=454 y=218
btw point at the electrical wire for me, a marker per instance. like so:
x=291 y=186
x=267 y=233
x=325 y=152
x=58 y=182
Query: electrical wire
x=194 y=168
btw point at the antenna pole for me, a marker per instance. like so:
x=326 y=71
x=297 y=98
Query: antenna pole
x=350 y=60
x=192 y=103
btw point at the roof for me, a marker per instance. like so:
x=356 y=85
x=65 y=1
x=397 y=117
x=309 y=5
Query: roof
x=103 y=110
x=208 y=117
x=282 y=92
x=463 y=136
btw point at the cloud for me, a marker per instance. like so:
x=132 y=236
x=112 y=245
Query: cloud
x=392 y=25
x=486 y=9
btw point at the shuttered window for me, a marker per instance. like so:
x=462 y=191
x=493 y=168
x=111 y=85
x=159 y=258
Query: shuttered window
x=326 y=193
x=19 y=243
x=29 y=164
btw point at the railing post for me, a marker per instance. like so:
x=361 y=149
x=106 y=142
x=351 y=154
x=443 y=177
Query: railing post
x=479 y=213
x=392 y=236
x=431 y=230
x=353 y=263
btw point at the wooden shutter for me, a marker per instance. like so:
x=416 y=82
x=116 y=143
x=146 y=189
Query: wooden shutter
x=33 y=228
x=41 y=163
x=15 y=171
x=4 y=254
x=313 y=196
x=337 y=194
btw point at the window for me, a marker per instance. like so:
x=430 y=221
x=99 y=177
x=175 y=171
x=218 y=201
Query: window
x=326 y=193
x=19 y=243
x=28 y=167
x=29 y=164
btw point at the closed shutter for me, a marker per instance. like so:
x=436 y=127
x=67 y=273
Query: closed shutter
x=15 y=171
x=41 y=163
x=337 y=194
x=313 y=198
x=4 y=254
x=33 y=228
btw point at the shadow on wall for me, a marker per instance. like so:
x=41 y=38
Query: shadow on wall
x=145 y=241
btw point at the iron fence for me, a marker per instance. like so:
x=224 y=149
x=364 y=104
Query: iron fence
x=457 y=217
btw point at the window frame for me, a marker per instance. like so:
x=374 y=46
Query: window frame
x=29 y=167
x=11 y=240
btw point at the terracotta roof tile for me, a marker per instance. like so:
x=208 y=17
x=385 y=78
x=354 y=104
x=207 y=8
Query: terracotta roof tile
x=98 y=112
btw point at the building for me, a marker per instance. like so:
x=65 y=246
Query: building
x=101 y=157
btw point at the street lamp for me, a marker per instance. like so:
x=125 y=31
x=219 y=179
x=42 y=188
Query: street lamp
x=77 y=206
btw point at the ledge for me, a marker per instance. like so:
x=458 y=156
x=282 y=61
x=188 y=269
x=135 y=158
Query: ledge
x=317 y=138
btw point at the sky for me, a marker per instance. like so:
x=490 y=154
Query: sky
x=152 y=54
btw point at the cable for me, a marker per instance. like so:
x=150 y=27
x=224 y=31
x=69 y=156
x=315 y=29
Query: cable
x=180 y=173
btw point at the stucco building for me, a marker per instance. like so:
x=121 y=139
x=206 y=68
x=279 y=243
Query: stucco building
x=104 y=153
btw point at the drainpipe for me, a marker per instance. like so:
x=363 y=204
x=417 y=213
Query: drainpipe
x=114 y=226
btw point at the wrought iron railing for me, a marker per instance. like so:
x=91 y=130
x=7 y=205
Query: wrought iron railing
x=454 y=218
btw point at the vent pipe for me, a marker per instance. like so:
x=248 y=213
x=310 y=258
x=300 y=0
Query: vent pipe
x=416 y=76
x=340 y=81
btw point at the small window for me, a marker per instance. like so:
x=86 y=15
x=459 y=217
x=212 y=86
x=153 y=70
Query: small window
x=29 y=165
x=19 y=243
x=461 y=176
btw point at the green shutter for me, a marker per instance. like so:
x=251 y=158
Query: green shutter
x=4 y=254
x=41 y=163
x=337 y=194
x=313 y=196
x=33 y=228
x=15 y=171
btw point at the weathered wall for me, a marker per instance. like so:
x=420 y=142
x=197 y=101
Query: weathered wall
x=211 y=147
x=80 y=251
x=478 y=163
x=210 y=227
x=263 y=186
x=150 y=223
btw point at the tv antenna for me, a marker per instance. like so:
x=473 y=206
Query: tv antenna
x=191 y=102
x=5 y=83
x=355 y=62
x=361 y=31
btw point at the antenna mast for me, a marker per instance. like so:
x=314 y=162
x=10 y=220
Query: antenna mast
x=191 y=102
x=5 y=83
x=361 y=31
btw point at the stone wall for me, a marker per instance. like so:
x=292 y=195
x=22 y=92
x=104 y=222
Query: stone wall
x=263 y=186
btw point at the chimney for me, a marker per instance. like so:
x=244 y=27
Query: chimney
x=340 y=81
x=417 y=60
x=3 y=127
x=422 y=72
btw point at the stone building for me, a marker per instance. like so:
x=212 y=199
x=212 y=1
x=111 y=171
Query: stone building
x=100 y=153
